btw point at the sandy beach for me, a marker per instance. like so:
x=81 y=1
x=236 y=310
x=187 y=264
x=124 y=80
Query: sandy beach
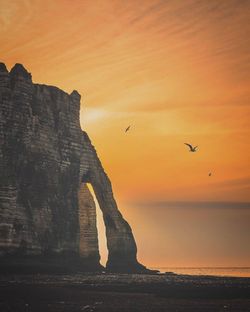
x=123 y=292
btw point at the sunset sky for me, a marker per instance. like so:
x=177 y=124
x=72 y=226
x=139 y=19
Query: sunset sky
x=176 y=71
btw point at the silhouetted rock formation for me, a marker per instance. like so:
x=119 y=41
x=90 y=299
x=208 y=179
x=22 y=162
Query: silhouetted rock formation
x=45 y=162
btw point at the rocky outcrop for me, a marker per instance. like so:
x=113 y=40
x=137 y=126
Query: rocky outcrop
x=121 y=244
x=45 y=161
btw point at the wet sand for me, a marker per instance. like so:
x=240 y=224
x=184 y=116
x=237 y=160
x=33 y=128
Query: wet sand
x=123 y=292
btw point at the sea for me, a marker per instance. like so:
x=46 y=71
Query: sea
x=217 y=271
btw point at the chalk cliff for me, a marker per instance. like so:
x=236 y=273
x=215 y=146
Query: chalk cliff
x=46 y=161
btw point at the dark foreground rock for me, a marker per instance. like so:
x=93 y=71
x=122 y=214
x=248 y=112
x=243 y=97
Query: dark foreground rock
x=46 y=161
x=123 y=292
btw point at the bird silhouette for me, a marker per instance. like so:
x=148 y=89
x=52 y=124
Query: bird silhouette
x=126 y=130
x=209 y=174
x=192 y=148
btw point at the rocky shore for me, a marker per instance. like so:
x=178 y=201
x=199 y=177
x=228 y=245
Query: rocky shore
x=123 y=292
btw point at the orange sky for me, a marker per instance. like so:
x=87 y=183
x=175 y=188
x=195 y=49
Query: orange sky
x=176 y=71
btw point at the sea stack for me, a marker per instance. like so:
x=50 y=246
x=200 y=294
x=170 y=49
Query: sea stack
x=47 y=214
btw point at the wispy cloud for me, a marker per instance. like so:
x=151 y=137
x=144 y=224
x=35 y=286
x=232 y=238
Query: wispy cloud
x=239 y=182
x=191 y=204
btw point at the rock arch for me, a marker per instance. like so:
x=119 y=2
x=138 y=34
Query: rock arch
x=121 y=244
x=45 y=162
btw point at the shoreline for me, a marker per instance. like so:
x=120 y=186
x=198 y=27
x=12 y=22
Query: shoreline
x=212 y=271
x=123 y=292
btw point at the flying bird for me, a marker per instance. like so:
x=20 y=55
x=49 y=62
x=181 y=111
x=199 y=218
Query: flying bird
x=126 y=130
x=210 y=173
x=192 y=148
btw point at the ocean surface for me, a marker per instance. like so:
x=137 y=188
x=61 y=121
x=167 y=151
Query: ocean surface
x=218 y=271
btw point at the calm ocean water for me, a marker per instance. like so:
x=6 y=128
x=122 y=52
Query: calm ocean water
x=237 y=272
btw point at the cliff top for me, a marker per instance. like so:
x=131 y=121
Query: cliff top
x=19 y=70
x=3 y=68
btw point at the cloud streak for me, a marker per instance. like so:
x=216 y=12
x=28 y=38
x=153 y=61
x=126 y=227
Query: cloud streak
x=192 y=205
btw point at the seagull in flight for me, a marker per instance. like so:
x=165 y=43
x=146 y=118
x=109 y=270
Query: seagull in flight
x=192 y=148
x=126 y=130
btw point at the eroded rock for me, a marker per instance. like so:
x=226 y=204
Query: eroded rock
x=45 y=162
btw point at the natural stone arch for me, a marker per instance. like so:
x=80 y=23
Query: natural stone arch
x=121 y=244
x=45 y=159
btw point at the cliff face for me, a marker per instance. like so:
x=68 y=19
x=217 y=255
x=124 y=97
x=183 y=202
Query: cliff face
x=45 y=162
